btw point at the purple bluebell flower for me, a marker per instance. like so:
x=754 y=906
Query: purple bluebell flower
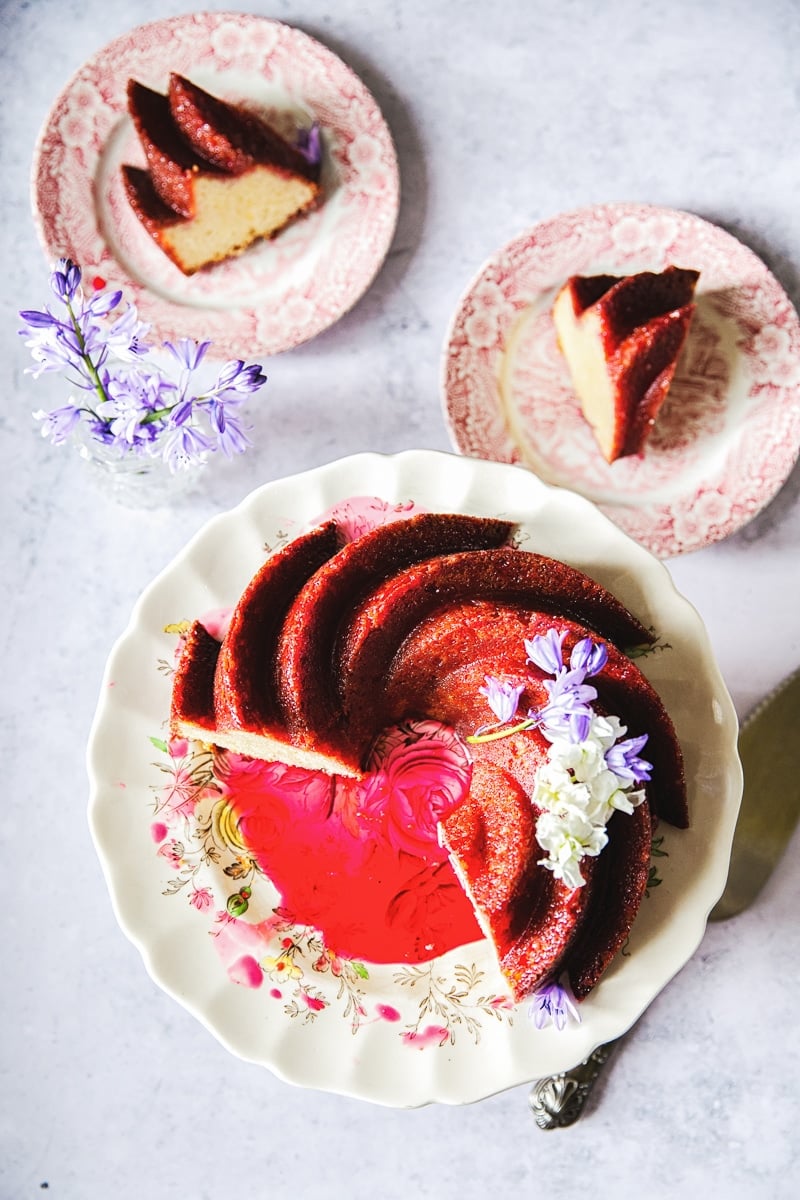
x=309 y=143
x=49 y=352
x=187 y=352
x=569 y=691
x=232 y=437
x=182 y=412
x=125 y=337
x=185 y=446
x=557 y=722
x=65 y=280
x=58 y=424
x=623 y=759
x=588 y=656
x=544 y=651
x=503 y=697
x=101 y=304
x=238 y=377
x=37 y=320
x=553 y=1003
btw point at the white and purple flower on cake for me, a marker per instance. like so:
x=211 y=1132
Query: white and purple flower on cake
x=124 y=401
x=592 y=771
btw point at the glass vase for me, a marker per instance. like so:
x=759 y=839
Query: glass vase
x=135 y=480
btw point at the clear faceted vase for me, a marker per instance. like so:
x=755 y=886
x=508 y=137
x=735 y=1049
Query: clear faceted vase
x=135 y=480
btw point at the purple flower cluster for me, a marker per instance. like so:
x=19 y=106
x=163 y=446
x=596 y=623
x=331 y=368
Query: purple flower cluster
x=125 y=401
x=568 y=715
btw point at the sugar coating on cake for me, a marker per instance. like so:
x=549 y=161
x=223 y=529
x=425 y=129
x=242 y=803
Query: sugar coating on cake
x=218 y=177
x=622 y=337
x=333 y=644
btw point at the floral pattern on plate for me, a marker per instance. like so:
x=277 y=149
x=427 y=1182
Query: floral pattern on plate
x=729 y=432
x=279 y=293
x=197 y=839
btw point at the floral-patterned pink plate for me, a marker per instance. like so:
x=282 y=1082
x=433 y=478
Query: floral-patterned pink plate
x=279 y=293
x=729 y=432
x=211 y=927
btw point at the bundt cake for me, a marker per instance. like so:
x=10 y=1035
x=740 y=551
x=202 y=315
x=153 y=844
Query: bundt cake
x=452 y=711
x=621 y=337
x=218 y=177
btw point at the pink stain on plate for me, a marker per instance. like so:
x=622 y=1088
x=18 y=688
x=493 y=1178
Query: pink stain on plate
x=246 y=971
x=158 y=831
x=388 y=1013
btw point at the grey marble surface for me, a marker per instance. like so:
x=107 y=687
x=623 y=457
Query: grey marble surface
x=503 y=114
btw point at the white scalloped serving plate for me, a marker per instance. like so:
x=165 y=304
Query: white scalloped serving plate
x=443 y=1033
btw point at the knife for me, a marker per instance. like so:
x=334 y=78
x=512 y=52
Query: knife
x=771 y=797
x=767 y=819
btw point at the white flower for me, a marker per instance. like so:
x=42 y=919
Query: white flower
x=607 y=730
x=578 y=794
x=567 y=838
x=584 y=759
x=555 y=790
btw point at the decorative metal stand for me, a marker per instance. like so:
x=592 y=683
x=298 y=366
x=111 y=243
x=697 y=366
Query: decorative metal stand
x=558 y=1100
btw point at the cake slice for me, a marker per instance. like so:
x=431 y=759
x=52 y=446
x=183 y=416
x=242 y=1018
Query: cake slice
x=621 y=337
x=529 y=917
x=218 y=178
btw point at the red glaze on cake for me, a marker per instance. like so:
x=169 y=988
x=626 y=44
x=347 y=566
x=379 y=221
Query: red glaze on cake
x=171 y=161
x=218 y=177
x=192 y=712
x=621 y=337
x=529 y=916
x=370 y=640
x=329 y=646
x=540 y=928
x=307 y=674
x=245 y=683
x=229 y=137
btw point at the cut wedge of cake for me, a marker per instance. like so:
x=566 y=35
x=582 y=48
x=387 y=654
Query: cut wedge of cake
x=621 y=337
x=218 y=178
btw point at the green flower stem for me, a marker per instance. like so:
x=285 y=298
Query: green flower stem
x=156 y=415
x=496 y=734
x=91 y=369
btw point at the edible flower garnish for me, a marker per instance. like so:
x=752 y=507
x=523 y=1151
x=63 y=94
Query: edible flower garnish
x=591 y=771
x=503 y=698
x=553 y=1003
x=309 y=143
x=125 y=401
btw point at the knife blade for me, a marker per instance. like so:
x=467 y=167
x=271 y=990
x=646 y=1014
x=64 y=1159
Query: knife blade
x=771 y=797
x=767 y=819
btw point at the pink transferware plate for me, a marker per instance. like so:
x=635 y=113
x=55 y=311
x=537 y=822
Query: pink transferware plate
x=279 y=293
x=729 y=432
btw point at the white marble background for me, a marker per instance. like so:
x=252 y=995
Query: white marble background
x=503 y=113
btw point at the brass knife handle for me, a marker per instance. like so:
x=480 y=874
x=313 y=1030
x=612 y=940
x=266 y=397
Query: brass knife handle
x=558 y=1100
